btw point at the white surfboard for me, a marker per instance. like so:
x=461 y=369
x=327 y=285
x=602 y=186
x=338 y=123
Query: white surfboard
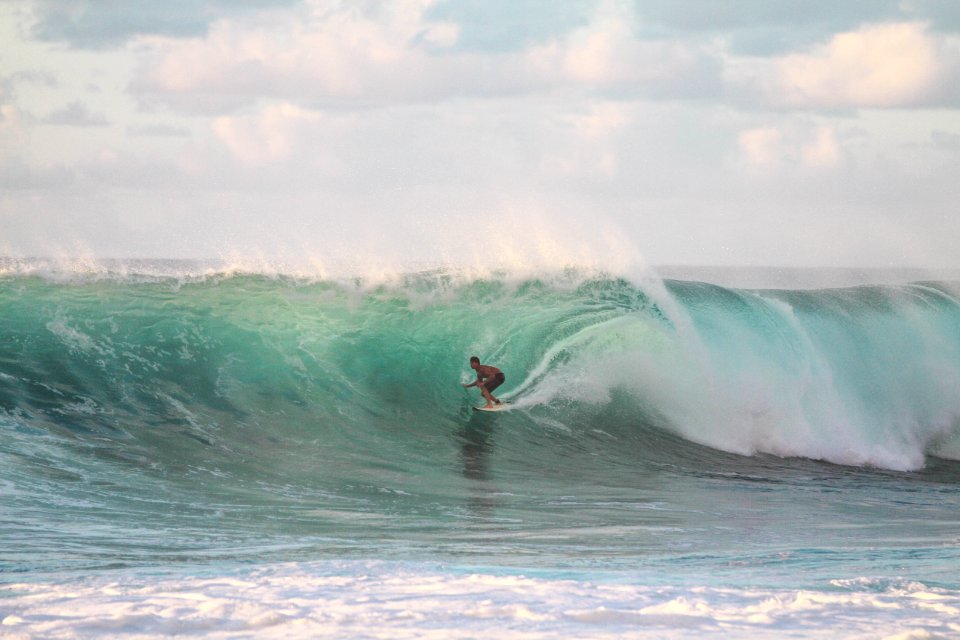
x=496 y=407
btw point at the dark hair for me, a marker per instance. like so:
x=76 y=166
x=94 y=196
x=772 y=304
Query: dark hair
x=474 y=359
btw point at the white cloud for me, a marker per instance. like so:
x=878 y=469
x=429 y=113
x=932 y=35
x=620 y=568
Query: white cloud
x=599 y=53
x=771 y=147
x=349 y=55
x=607 y=54
x=332 y=54
x=159 y=130
x=762 y=146
x=266 y=137
x=602 y=120
x=13 y=133
x=10 y=119
x=888 y=65
x=332 y=121
x=823 y=151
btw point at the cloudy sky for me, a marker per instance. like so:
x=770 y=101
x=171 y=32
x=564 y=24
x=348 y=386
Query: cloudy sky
x=823 y=132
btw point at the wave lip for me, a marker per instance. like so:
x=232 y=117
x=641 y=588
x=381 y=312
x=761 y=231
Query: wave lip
x=861 y=375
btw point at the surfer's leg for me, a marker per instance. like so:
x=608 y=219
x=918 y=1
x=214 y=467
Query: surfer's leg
x=492 y=384
x=487 y=395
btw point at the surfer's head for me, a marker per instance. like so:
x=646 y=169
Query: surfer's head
x=474 y=362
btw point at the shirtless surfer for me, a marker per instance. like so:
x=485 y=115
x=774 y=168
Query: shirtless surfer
x=488 y=379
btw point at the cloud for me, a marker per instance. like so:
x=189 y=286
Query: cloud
x=16 y=175
x=36 y=77
x=823 y=150
x=159 y=130
x=607 y=56
x=479 y=147
x=315 y=54
x=762 y=146
x=887 y=65
x=76 y=114
x=603 y=119
x=356 y=56
x=13 y=134
x=9 y=85
x=330 y=119
x=772 y=147
x=945 y=140
x=268 y=137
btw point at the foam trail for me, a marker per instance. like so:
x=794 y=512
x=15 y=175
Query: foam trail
x=311 y=600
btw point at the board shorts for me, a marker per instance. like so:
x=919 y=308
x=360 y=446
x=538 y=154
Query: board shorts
x=494 y=382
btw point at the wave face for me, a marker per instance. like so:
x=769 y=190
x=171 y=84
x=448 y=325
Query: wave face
x=860 y=375
x=333 y=410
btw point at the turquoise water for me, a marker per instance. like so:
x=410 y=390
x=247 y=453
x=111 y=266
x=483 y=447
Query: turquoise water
x=671 y=437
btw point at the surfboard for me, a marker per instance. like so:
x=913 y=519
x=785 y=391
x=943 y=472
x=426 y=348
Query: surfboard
x=496 y=407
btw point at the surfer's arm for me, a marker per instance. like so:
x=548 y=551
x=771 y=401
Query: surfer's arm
x=475 y=383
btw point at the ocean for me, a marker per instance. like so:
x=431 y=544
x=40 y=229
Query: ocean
x=192 y=450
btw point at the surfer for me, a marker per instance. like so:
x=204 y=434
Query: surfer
x=488 y=379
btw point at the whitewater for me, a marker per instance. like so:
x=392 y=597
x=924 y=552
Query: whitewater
x=194 y=450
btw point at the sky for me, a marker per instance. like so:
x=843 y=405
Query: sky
x=689 y=132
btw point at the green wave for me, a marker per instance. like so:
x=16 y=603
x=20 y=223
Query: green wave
x=269 y=375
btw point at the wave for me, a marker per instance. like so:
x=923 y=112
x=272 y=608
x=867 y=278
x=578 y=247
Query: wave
x=241 y=373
